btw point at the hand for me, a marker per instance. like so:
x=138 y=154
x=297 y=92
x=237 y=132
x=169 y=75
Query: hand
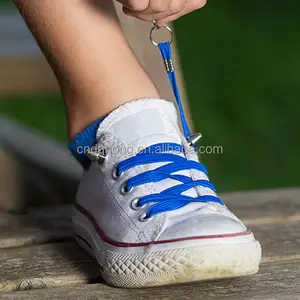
x=163 y=11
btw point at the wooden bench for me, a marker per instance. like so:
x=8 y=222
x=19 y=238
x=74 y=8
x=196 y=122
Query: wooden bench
x=40 y=260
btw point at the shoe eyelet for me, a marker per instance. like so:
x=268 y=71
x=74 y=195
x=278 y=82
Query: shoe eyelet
x=124 y=190
x=115 y=174
x=134 y=204
x=144 y=218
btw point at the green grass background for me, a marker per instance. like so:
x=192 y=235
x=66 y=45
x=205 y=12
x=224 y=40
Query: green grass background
x=241 y=63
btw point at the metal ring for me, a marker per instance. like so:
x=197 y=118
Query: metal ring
x=124 y=189
x=144 y=218
x=115 y=174
x=135 y=204
x=156 y=27
x=154 y=22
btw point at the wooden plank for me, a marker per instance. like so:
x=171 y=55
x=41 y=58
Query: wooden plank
x=65 y=263
x=39 y=226
x=279 y=241
x=46 y=266
x=259 y=210
x=18 y=39
x=26 y=75
x=24 y=183
x=274 y=203
x=23 y=69
x=11 y=183
x=46 y=153
x=49 y=174
x=278 y=281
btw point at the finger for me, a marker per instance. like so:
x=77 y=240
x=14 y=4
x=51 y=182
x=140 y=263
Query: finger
x=175 y=7
x=135 y=5
x=191 y=6
x=157 y=6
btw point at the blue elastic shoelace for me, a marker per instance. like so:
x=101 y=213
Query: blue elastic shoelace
x=171 y=198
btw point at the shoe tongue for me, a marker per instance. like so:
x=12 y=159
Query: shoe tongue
x=141 y=123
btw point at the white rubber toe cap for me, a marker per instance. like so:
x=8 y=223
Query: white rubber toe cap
x=204 y=225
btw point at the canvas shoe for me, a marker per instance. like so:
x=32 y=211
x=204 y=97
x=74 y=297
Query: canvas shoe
x=146 y=210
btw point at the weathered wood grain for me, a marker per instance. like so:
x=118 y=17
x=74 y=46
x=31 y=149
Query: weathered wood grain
x=259 y=210
x=279 y=241
x=46 y=266
x=277 y=281
x=43 y=225
x=60 y=264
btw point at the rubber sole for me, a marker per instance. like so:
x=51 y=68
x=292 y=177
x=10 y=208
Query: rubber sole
x=179 y=265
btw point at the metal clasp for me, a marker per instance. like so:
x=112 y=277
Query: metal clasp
x=156 y=27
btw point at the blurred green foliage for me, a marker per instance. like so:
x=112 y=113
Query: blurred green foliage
x=44 y=112
x=241 y=62
x=6 y=2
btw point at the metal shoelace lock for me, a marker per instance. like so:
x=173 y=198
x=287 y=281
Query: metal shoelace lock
x=165 y=50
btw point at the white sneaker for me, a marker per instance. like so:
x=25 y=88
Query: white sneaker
x=152 y=217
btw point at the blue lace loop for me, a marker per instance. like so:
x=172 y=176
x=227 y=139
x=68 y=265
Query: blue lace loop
x=171 y=198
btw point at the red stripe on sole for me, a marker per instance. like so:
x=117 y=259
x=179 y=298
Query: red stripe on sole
x=112 y=242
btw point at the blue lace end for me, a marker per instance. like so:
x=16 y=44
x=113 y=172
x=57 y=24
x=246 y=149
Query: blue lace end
x=166 y=52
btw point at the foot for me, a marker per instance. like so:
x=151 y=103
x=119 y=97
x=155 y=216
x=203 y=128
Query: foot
x=146 y=210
